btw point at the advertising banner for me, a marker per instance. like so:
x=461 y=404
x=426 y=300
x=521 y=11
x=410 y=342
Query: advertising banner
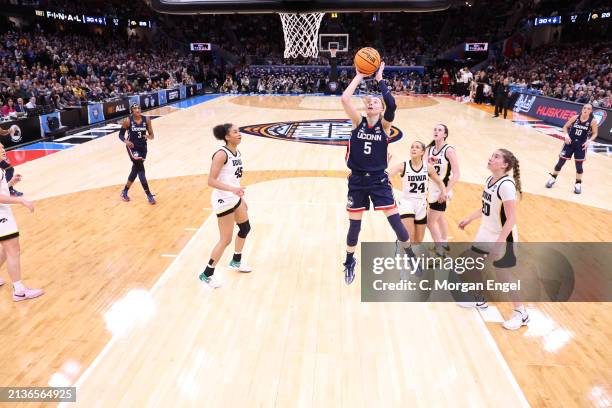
x=557 y=112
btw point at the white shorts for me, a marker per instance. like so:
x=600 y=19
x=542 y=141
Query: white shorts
x=434 y=193
x=8 y=225
x=486 y=238
x=225 y=205
x=413 y=208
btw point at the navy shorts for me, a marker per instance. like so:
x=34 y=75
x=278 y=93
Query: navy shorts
x=137 y=153
x=366 y=187
x=574 y=148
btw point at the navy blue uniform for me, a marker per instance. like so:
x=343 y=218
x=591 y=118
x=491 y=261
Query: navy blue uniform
x=366 y=156
x=137 y=135
x=579 y=132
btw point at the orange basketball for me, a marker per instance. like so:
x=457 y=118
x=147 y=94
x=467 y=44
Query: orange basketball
x=367 y=60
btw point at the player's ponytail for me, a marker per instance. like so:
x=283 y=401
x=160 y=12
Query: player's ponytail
x=220 y=131
x=513 y=164
x=433 y=142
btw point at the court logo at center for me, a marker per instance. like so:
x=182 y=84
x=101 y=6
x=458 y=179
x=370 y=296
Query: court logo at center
x=319 y=131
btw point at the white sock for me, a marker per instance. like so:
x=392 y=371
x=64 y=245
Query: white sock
x=18 y=287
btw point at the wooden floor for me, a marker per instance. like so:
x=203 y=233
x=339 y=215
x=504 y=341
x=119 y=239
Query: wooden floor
x=127 y=321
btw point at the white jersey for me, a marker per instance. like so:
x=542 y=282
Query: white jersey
x=414 y=182
x=8 y=226
x=493 y=197
x=230 y=174
x=441 y=164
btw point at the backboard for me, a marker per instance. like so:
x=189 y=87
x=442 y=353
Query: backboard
x=293 y=6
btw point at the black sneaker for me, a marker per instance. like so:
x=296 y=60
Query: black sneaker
x=349 y=271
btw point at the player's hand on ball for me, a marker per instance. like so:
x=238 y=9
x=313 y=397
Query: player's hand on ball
x=381 y=68
x=27 y=204
x=239 y=191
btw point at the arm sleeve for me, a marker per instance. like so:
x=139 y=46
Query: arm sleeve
x=506 y=191
x=389 y=114
x=122 y=134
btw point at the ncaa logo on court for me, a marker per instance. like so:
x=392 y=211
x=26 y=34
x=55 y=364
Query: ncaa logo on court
x=319 y=131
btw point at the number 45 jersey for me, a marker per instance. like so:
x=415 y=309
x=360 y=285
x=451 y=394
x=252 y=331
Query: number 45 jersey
x=230 y=174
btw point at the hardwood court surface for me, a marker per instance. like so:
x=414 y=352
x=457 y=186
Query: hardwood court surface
x=125 y=316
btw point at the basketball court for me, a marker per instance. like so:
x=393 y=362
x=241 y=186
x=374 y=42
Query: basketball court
x=126 y=319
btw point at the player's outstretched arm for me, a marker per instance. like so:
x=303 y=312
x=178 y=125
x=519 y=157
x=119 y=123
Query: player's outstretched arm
x=350 y=110
x=390 y=106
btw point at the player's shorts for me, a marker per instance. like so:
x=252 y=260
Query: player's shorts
x=486 y=239
x=226 y=205
x=575 y=149
x=413 y=208
x=137 y=153
x=432 y=198
x=8 y=226
x=363 y=188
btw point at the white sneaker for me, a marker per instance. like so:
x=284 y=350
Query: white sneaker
x=517 y=320
x=551 y=182
x=478 y=303
x=578 y=188
x=240 y=266
x=210 y=281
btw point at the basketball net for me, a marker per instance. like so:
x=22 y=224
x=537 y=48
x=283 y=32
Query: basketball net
x=301 y=33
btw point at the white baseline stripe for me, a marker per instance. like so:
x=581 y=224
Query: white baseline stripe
x=162 y=279
x=500 y=358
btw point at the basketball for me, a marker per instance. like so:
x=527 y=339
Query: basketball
x=367 y=60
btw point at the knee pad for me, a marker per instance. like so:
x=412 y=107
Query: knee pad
x=353 y=233
x=243 y=229
x=398 y=227
x=579 y=168
x=560 y=164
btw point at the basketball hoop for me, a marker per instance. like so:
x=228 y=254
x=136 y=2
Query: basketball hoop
x=301 y=33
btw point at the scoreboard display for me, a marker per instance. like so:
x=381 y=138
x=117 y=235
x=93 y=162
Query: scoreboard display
x=476 y=47
x=199 y=47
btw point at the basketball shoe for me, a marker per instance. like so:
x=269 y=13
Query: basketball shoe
x=124 y=195
x=551 y=182
x=151 y=199
x=479 y=303
x=28 y=294
x=210 y=281
x=578 y=188
x=519 y=318
x=240 y=266
x=349 y=271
